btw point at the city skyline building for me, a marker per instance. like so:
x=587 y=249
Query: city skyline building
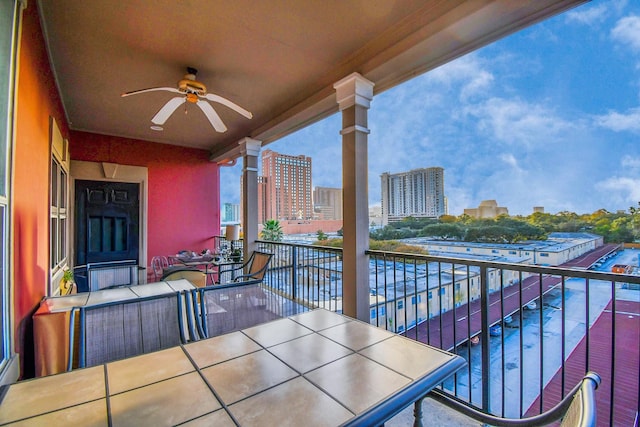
x=284 y=189
x=418 y=193
x=230 y=213
x=327 y=203
x=487 y=209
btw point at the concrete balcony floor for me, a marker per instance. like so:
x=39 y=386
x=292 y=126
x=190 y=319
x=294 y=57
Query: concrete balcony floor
x=433 y=415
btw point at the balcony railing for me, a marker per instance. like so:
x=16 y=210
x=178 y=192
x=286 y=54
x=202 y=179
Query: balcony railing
x=547 y=326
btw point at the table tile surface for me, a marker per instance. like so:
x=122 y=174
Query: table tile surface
x=150 y=289
x=219 y=418
x=146 y=369
x=278 y=373
x=33 y=397
x=66 y=302
x=218 y=349
x=357 y=382
x=406 y=357
x=304 y=405
x=92 y=414
x=168 y=402
x=319 y=319
x=180 y=285
x=109 y=295
x=244 y=376
x=356 y=335
x=309 y=352
x=276 y=332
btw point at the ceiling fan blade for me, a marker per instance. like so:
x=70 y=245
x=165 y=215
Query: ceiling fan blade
x=168 y=109
x=151 y=89
x=235 y=107
x=213 y=117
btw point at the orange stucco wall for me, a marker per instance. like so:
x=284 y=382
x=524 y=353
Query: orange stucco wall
x=37 y=101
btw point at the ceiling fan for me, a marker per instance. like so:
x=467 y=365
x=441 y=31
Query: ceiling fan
x=195 y=92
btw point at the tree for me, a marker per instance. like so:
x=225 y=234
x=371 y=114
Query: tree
x=272 y=230
x=321 y=235
x=445 y=231
x=447 y=219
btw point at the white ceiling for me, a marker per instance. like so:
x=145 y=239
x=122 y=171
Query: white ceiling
x=276 y=58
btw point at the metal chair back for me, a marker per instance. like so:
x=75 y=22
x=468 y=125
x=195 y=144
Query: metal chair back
x=158 y=265
x=221 y=309
x=117 y=330
x=255 y=268
x=259 y=263
x=576 y=409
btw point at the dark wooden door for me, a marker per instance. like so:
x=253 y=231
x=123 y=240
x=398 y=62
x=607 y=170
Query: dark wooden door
x=106 y=221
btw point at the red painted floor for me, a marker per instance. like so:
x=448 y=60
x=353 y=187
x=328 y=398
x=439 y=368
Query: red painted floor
x=625 y=384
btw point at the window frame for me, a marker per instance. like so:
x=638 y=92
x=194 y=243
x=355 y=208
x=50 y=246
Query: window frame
x=59 y=206
x=8 y=362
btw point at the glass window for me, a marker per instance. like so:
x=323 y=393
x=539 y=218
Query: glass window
x=59 y=203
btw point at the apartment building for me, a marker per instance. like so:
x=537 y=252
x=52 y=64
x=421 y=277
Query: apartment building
x=327 y=203
x=284 y=189
x=230 y=213
x=418 y=193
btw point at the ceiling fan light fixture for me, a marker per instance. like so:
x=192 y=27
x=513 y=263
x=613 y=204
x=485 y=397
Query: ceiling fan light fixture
x=192 y=86
x=191 y=90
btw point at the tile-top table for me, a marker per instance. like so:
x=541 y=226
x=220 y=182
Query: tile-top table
x=51 y=320
x=314 y=369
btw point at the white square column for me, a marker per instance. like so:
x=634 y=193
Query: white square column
x=250 y=152
x=354 y=94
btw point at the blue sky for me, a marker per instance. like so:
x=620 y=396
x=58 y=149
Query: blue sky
x=548 y=117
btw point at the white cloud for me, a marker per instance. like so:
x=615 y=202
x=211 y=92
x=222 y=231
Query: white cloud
x=467 y=71
x=620 y=122
x=622 y=189
x=510 y=159
x=588 y=16
x=514 y=121
x=627 y=31
x=626 y=187
x=629 y=162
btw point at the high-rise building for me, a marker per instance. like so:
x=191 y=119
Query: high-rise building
x=230 y=213
x=327 y=203
x=418 y=193
x=284 y=191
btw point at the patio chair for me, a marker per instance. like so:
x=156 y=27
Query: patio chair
x=221 y=309
x=158 y=266
x=121 y=329
x=255 y=268
x=577 y=409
